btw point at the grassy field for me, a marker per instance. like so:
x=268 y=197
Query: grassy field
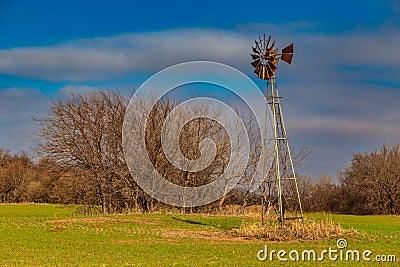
x=53 y=235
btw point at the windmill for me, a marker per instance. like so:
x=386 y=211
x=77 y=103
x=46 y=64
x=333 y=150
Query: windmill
x=280 y=181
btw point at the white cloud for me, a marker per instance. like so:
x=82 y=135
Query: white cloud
x=341 y=126
x=100 y=58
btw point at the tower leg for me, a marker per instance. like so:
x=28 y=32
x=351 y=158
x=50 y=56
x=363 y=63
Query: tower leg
x=283 y=164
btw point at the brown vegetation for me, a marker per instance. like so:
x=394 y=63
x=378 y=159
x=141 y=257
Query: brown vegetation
x=82 y=162
x=371 y=185
x=304 y=230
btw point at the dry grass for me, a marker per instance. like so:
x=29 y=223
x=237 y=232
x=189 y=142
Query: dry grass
x=295 y=230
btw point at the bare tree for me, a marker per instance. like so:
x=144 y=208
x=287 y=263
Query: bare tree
x=85 y=131
x=371 y=185
x=15 y=173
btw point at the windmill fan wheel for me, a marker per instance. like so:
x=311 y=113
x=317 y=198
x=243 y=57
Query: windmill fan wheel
x=266 y=57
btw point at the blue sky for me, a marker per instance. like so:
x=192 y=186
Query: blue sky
x=341 y=94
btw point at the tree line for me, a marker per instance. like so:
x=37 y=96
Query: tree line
x=370 y=185
x=80 y=160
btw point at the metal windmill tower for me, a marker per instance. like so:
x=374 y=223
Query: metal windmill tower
x=280 y=181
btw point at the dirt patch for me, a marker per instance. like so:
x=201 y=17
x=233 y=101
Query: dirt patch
x=57 y=229
x=141 y=221
x=212 y=236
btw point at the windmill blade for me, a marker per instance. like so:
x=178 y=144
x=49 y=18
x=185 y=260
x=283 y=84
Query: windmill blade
x=263 y=73
x=270 y=51
x=272 y=46
x=264 y=40
x=255 y=56
x=257 y=70
x=255 y=63
x=287 y=58
x=288 y=49
x=258 y=46
x=270 y=72
x=255 y=50
x=271 y=66
x=269 y=39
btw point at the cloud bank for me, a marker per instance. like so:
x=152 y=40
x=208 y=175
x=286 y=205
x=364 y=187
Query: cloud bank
x=100 y=58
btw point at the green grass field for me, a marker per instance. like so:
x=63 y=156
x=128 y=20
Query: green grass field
x=54 y=235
